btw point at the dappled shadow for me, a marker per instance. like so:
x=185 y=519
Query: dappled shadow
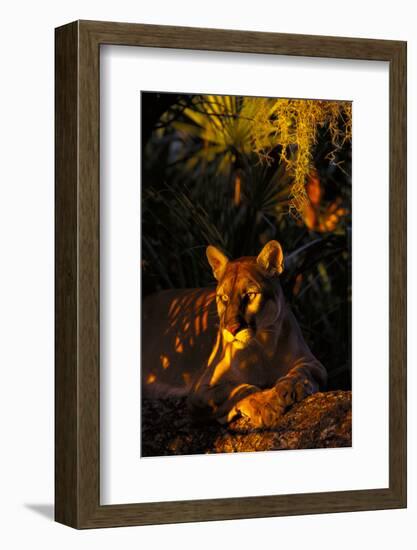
x=179 y=328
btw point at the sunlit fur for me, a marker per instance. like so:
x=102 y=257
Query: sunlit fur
x=259 y=363
x=260 y=340
x=241 y=339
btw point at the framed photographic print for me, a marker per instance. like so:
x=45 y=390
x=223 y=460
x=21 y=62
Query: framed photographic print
x=230 y=274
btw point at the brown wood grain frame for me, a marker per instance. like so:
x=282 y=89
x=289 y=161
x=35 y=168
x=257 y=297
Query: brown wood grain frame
x=77 y=359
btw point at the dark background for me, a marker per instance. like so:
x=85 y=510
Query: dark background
x=203 y=183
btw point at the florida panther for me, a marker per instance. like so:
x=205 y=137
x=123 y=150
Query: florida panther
x=256 y=364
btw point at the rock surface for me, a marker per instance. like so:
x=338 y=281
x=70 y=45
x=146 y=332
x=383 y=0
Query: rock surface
x=321 y=420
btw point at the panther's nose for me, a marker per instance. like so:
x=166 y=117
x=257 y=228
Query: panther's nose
x=233 y=328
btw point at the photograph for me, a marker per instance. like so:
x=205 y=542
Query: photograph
x=209 y=251
x=246 y=261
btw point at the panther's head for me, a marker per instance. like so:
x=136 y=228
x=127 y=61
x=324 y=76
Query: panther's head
x=249 y=296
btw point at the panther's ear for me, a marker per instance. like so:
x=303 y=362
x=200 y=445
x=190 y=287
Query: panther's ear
x=217 y=260
x=271 y=258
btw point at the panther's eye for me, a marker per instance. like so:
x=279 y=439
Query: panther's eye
x=251 y=295
x=224 y=298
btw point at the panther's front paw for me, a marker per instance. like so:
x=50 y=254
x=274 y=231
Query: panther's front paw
x=263 y=409
x=292 y=389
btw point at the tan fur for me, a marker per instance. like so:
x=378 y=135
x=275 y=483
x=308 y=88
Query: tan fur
x=178 y=333
x=255 y=362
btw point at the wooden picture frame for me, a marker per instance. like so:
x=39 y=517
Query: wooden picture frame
x=77 y=374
